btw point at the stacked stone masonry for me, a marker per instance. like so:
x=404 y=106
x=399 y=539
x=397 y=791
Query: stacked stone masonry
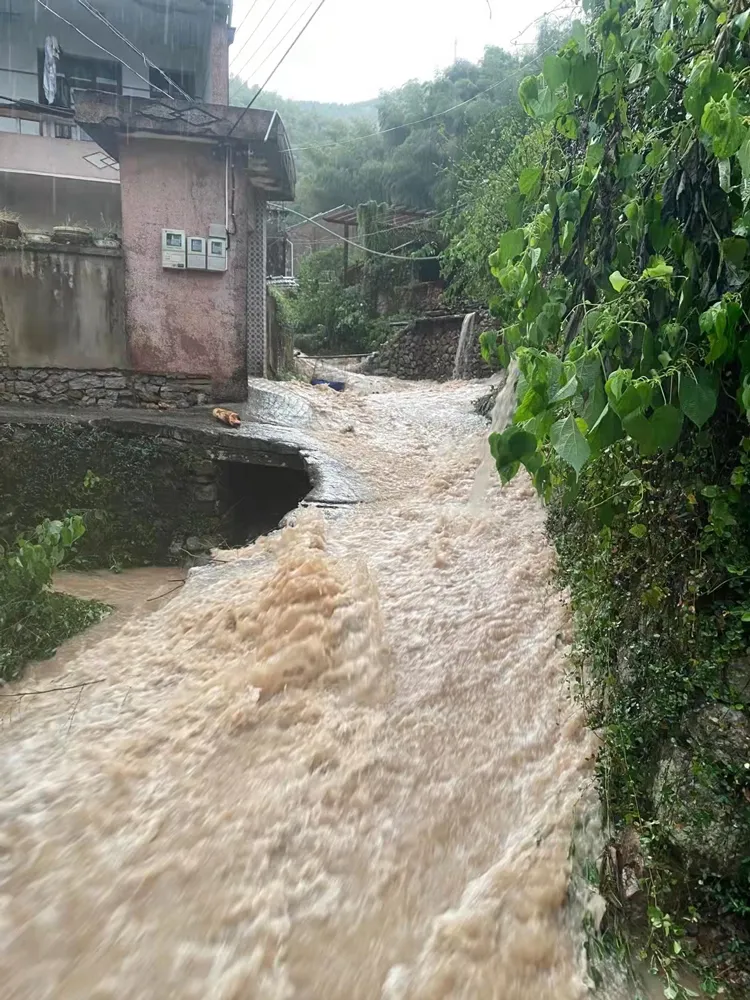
x=426 y=349
x=105 y=388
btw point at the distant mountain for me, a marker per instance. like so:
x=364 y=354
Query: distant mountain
x=403 y=146
x=311 y=123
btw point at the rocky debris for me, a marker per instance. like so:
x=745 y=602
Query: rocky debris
x=694 y=806
x=192 y=551
x=486 y=403
x=106 y=388
x=622 y=868
x=426 y=349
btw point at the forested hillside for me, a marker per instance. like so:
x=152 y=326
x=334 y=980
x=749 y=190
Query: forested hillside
x=452 y=144
x=339 y=160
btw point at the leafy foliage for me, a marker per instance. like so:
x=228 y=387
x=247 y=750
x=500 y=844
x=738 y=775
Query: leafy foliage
x=623 y=296
x=324 y=314
x=495 y=151
x=33 y=620
x=627 y=284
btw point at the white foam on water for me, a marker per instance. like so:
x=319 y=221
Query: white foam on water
x=341 y=766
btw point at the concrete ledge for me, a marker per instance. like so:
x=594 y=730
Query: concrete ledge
x=333 y=484
x=79 y=249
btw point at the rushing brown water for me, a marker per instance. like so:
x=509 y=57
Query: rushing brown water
x=340 y=767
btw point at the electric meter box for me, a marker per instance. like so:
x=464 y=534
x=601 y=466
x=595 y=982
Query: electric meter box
x=196 y=253
x=173 y=248
x=217 y=253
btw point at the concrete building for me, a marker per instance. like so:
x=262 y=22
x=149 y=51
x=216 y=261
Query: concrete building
x=51 y=172
x=175 y=312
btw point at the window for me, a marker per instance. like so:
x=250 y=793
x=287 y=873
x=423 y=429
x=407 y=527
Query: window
x=23 y=125
x=80 y=73
x=159 y=82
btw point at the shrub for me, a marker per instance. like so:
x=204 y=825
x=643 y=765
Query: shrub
x=33 y=619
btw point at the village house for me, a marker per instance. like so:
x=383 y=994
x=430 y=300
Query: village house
x=132 y=206
x=50 y=170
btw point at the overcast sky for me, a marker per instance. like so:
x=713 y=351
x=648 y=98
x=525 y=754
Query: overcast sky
x=354 y=49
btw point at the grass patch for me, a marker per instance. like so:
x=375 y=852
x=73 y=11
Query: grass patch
x=41 y=626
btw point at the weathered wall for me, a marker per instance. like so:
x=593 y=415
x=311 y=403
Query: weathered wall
x=41 y=200
x=113 y=387
x=62 y=306
x=217 y=85
x=186 y=321
x=426 y=349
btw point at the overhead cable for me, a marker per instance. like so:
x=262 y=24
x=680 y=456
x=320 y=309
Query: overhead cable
x=268 y=36
x=359 y=246
x=423 y=221
x=102 y=49
x=116 y=31
x=249 y=38
x=251 y=8
x=262 y=87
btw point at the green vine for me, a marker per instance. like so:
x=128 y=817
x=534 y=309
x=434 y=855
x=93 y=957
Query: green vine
x=624 y=299
x=624 y=303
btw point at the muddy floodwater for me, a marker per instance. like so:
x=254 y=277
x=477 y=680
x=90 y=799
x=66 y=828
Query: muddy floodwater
x=341 y=765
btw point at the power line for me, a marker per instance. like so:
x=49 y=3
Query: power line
x=277 y=45
x=359 y=246
x=429 y=118
x=252 y=7
x=425 y=220
x=547 y=13
x=262 y=87
x=249 y=38
x=116 y=31
x=102 y=49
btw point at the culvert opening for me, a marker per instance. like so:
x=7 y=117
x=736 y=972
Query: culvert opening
x=253 y=499
x=148 y=498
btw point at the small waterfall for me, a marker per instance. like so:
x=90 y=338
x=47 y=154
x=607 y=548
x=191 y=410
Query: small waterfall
x=502 y=414
x=505 y=402
x=465 y=346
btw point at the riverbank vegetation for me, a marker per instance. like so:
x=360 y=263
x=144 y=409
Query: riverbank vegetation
x=622 y=294
x=34 y=619
x=134 y=493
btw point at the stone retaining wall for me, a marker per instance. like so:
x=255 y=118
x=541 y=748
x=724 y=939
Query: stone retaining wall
x=108 y=388
x=426 y=349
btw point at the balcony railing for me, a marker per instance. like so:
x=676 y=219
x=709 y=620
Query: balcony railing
x=29 y=120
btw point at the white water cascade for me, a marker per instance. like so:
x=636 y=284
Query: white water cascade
x=465 y=347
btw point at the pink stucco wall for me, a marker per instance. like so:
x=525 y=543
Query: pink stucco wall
x=190 y=322
x=218 y=58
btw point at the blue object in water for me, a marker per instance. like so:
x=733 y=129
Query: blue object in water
x=338 y=386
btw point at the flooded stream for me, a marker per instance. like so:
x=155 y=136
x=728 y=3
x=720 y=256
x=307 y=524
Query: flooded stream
x=340 y=766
